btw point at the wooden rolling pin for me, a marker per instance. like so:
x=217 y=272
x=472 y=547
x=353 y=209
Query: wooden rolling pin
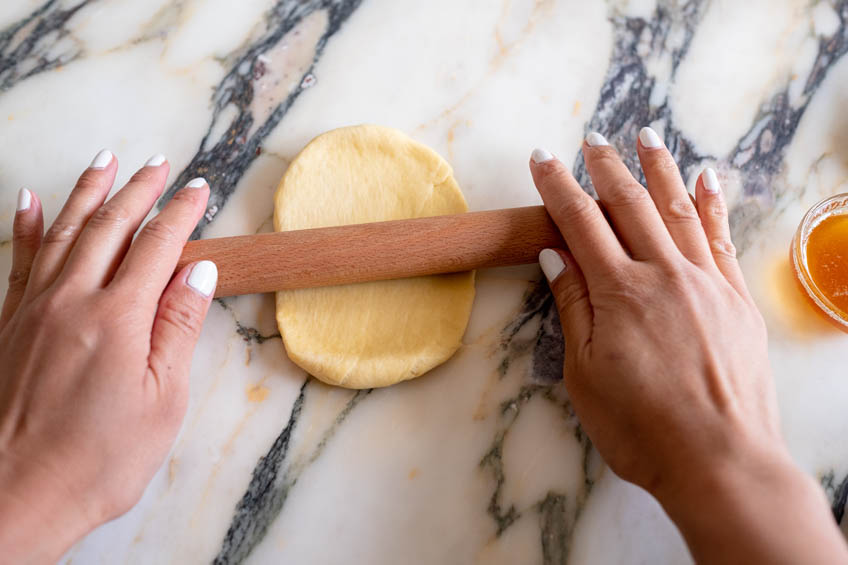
x=377 y=251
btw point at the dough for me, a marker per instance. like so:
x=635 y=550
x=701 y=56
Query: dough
x=380 y=333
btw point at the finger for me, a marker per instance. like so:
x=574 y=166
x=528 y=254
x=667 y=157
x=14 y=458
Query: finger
x=633 y=213
x=152 y=258
x=107 y=235
x=671 y=198
x=582 y=223
x=176 y=328
x=86 y=197
x=26 y=239
x=713 y=212
x=572 y=298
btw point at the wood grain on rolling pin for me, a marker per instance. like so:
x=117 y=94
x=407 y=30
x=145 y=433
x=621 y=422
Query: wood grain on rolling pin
x=378 y=251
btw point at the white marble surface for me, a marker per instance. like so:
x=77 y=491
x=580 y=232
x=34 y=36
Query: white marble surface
x=480 y=461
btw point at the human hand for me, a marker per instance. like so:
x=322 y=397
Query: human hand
x=96 y=339
x=666 y=353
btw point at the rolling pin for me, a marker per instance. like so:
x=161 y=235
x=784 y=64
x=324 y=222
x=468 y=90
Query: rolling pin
x=376 y=251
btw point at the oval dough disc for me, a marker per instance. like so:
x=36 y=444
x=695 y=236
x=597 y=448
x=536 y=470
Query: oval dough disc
x=380 y=333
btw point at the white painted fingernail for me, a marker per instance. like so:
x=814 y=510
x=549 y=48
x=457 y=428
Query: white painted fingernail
x=24 y=199
x=203 y=277
x=196 y=183
x=541 y=156
x=101 y=160
x=155 y=161
x=711 y=183
x=595 y=139
x=552 y=264
x=650 y=139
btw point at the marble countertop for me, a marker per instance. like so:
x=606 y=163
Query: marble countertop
x=482 y=460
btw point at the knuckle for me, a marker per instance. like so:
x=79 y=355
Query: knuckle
x=659 y=163
x=184 y=315
x=89 y=181
x=52 y=305
x=25 y=233
x=604 y=157
x=18 y=278
x=144 y=175
x=723 y=247
x=573 y=208
x=550 y=177
x=569 y=293
x=671 y=268
x=52 y=302
x=44 y=307
x=110 y=215
x=25 y=241
x=624 y=193
x=189 y=195
x=678 y=281
x=627 y=283
x=161 y=231
x=61 y=232
x=717 y=208
x=680 y=210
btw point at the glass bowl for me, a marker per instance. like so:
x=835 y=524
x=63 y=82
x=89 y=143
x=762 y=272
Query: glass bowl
x=828 y=207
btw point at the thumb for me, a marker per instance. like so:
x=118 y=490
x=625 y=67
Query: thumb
x=26 y=239
x=176 y=328
x=572 y=296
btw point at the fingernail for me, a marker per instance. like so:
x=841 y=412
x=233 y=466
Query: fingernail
x=711 y=183
x=196 y=183
x=649 y=138
x=552 y=264
x=24 y=199
x=203 y=277
x=155 y=161
x=541 y=156
x=101 y=160
x=595 y=139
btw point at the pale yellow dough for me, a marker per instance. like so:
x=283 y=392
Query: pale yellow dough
x=371 y=334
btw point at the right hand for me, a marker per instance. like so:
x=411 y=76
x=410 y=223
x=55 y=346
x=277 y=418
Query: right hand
x=666 y=353
x=664 y=345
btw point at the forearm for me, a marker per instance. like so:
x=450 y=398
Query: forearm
x=38 y=522
x=762 y=510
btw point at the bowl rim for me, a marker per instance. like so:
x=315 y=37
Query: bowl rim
x=814 y=216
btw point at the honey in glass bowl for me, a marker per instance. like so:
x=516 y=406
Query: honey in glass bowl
x=820 y=257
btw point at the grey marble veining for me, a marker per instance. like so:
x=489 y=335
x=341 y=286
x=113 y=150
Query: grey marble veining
x=223 y=160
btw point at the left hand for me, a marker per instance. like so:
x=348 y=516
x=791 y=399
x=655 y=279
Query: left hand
x=96 y=340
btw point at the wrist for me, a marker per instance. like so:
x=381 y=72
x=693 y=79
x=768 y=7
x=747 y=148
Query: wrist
x=757 y=501
x=39 y=518
x=720 y=482
x=698 y=480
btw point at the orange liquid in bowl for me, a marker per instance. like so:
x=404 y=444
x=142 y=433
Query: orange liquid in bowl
x=827 y=259
x=819 y=256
